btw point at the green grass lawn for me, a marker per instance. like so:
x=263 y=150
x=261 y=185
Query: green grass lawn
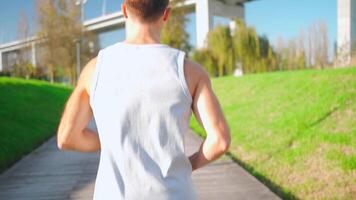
x=29 y=114
x=295 y=131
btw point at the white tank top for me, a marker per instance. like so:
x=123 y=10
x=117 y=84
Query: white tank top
x=142 y=106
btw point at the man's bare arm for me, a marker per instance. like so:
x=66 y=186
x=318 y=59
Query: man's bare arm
x=72 y=133
x=208 y=112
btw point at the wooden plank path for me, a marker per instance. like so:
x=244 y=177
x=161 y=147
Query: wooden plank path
x=224 y=179
x=50 y=174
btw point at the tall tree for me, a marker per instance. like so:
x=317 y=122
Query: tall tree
x=242 y=47
x=60 y=28
x=291 y=55
x=174 y=33
x=318 y=44
x=247 y=47
x=23 y=67
x=221 y=47
x=207 y=60
x=323 y=45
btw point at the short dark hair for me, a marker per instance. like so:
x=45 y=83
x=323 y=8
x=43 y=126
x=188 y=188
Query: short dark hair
x=147 y=10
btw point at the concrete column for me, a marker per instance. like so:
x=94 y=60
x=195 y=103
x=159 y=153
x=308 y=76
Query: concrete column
x=232 y=25
x=33 y=54
x=203 y=21
x=346 y=30
x=1 y=68
x=206 y=9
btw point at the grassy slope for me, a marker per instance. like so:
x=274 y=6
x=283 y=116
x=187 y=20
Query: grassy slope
x=296 y=131
x=29 y=113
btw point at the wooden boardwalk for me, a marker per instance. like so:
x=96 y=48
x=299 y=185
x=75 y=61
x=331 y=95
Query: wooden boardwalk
x=50 y=174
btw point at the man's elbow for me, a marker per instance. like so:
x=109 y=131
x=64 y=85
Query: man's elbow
x=63 y=145
x=63 y=142
x=225 y=141
x=225 y=144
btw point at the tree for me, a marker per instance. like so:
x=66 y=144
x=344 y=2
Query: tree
x=254 y=52
x=264 y=45
x=59 y=29
x=221 y=47
x=318 y=44
x=323 y=45
x=246 y=46
x=243 y=46
x=23 y=66
x=291 y=55
x=174 y=33
x=305 y=50
x=205 y=58
x=218 y=58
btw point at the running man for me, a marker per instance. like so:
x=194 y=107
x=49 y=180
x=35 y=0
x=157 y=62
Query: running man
x=141 y=94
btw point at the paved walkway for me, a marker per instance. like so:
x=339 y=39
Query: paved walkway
x=49 y=174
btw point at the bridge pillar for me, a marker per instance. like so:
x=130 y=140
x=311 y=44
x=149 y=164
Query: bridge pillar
x=204 y=21
x=206 y=9
x=33 y=54
x=346 y=31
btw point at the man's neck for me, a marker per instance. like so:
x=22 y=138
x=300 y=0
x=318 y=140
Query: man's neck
x=142 y=33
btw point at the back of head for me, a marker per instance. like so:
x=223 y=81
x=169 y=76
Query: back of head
x=147 y=10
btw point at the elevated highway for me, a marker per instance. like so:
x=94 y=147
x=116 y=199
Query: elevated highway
x=204 y=11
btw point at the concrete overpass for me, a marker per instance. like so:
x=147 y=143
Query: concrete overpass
x=204 y=11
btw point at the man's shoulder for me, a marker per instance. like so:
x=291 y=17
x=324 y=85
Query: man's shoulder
x=195 y=70
x=87 y=74
x=195 y=75
x=110 y=48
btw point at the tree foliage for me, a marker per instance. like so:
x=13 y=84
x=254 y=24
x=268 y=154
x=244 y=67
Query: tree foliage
x=205 y=58
x=243 y=47
x=174 y=33
x=22 y=66
x=253 y=52
x=221 y=47
x=60 y=29
x=291 y=56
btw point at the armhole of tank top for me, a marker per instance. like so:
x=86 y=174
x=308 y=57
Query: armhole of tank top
x=95 y=77
x=181 y=56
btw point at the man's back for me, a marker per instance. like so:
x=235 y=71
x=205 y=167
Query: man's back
x=142 y=105
x=142 y=102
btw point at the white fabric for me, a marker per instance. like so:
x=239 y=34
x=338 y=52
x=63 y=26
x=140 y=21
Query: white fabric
x=142 y=106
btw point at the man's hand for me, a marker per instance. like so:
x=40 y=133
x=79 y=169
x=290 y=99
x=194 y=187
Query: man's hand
x=72 y=133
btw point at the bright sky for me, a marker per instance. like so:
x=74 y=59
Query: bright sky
x=274 y=18
x=287 y=17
